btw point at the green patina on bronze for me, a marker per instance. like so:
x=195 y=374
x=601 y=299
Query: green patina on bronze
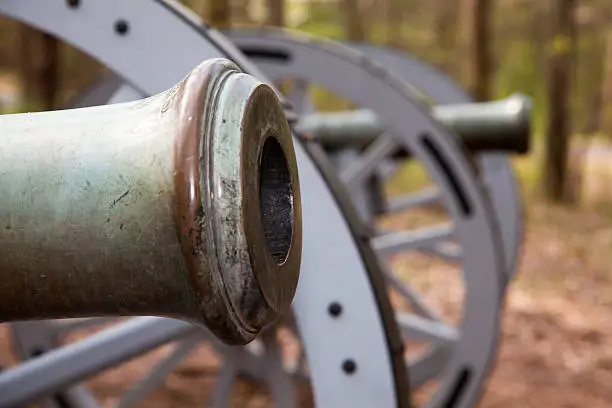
x=151 y=208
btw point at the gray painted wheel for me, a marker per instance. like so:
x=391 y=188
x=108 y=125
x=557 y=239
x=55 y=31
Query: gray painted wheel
x=150 y=60
x=430 y=364
x=495 y=168
x=457 y=358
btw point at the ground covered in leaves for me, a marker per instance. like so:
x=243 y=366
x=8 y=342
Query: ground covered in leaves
x=556 y=347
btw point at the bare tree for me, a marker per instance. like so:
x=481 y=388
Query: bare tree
x=39 y=67
x=276 y=13
x=444 y=26
x=475 y=50
x=394 y=22
x=218 y=13
x=592 y=40
x=605 y=124
x=240 y=12
x=354 y=24
x=559 y=74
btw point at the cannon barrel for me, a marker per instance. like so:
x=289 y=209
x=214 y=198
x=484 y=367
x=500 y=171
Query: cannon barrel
x=185 y=205
x=502 y=125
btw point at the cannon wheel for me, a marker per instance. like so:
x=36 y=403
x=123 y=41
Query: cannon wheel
x=495 y=168
x=324 y=344
x=283 y=56
x=272 y=53
x=355 y=359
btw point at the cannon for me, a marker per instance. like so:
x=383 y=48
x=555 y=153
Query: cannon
x=287 y=56
x=185 y=204
x=414 y=130
x=342 y=320
x=503 y=126
x=452 y=357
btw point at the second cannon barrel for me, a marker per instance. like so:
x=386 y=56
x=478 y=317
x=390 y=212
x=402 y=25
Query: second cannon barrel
x=503 y=125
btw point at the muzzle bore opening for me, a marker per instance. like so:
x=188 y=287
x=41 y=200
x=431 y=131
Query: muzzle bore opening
x=276 y=199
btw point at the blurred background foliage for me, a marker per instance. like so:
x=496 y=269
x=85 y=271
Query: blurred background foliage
x=557 y=51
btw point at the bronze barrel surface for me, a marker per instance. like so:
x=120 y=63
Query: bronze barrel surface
x=185 y=204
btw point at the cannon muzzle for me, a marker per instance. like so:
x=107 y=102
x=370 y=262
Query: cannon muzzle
x=185 y=204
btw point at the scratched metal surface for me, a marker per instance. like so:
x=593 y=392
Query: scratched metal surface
x=112 y=210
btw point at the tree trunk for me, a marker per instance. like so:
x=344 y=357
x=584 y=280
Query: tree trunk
x=217 y=13
x=276 y=13
x=593 y=121
x=395 y=20
x=240 y=12
x=475 y=50
x=606 y=90
x=354 y=26
x=39 y=66
x=558 y=126
x=444 y=26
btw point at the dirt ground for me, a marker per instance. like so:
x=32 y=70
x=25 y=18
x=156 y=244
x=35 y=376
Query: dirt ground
x=557 y=345
x=556 y=349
